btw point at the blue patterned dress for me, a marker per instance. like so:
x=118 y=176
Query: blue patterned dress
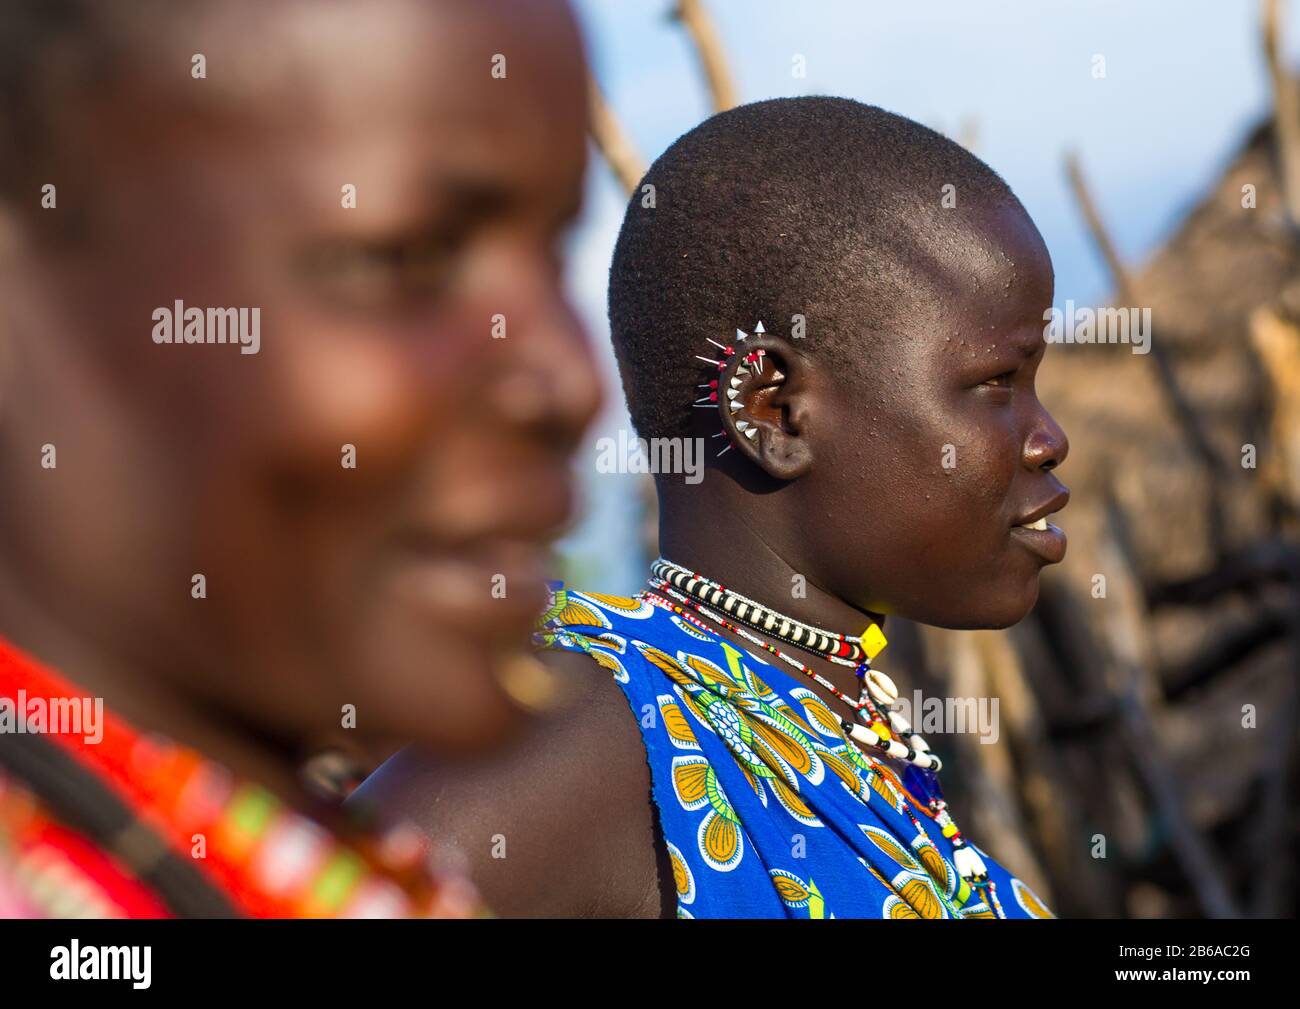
x=768 y=811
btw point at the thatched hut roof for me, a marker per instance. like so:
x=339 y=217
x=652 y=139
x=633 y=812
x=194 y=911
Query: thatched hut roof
x=1147 y=478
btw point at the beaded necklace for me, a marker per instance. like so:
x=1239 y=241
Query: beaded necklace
x=844 y=649
x=266 y=857
x=883 y=729
x=874 y=733
x=659 y=586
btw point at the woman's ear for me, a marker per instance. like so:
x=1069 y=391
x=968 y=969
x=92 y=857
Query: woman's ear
x=765 y=403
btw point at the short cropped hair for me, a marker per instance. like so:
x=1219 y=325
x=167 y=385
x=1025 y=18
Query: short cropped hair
x=54 y=51
x=816 y=207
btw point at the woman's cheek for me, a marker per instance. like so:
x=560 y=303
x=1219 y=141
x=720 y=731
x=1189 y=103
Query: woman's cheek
x=354 y=407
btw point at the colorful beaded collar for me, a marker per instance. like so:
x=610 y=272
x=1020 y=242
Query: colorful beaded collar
x=270 y=860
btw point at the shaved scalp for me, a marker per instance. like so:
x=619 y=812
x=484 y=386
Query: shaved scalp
x=49 y=49
x=823 y=208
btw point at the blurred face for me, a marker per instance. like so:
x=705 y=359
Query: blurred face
x=941 y=466
x=370 y=496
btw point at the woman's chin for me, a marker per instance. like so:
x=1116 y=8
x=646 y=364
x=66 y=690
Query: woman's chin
x=1017 y=606
x=984 y=609
x=465 y=725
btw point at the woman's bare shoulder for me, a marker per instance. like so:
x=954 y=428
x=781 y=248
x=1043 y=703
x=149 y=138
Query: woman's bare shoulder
x=560 y=822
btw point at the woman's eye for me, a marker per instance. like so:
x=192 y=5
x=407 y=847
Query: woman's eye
x=1001 y=381
x=379 y=275
x=354 y=273
x=423 y=266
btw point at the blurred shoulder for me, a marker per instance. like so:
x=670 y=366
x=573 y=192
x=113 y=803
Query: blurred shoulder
x=559 y=821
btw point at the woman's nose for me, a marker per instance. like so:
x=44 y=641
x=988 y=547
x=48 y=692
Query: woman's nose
x=1046 y=446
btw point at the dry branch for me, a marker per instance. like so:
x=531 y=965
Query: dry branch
x=713 y=61
x=1277 y=345
x=1286 y=108
x=1128 y=647
x=611 y=140
x=1184 y=413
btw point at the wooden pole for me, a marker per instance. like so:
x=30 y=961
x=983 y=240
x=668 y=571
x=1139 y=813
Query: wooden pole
x=713 y=61
x=611 y=140
x=1286 y=108
x=1184 y=413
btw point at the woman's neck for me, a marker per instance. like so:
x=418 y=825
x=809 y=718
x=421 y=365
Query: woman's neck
x=743 y=561
x=137 y=690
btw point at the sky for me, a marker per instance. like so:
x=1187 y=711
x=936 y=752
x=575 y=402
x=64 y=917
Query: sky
x=1184 y=84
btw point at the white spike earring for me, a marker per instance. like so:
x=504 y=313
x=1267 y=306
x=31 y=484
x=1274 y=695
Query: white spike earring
x=754 y=357
x=733 y=399
x=710 y=401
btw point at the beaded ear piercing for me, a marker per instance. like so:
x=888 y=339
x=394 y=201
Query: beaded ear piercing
x=752 y=359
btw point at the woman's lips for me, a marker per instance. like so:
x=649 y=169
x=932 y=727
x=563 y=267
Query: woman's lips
x=494 y=588
x=1043 y=539
x=479 y=559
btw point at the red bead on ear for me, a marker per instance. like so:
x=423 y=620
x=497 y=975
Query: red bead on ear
x=733 y=396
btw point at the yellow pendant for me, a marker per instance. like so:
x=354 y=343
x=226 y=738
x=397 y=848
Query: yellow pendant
x=873 y=641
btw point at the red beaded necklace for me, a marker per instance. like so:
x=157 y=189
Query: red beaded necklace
x=268 y=859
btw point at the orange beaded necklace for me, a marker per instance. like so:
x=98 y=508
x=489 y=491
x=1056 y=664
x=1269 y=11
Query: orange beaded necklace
x=265 y=858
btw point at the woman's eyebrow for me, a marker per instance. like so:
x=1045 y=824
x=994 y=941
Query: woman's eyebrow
x=483 y=196
x=1019 y=344
x=477 y=195
x=1029 y=343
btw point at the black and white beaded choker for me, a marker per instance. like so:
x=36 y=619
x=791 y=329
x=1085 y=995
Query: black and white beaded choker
x=878 y=727
x=843 y=649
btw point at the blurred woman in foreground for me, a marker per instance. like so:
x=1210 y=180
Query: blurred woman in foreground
x=287 y=389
